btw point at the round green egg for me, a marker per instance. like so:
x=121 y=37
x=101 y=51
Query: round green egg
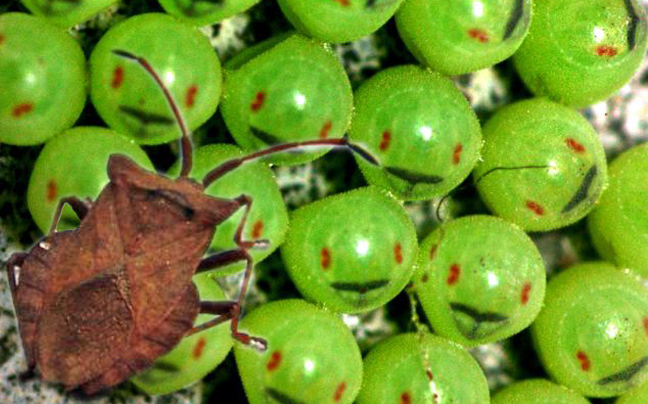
x=67 y=13
x=592 y=333
x=619 y=223
x=351 y=252
x=42 y=79
x=421 y=369
x=198 y=12
x=420 y=128
x=338 y=20
x=537 y=391
x=543 y=165
x=580 y=52
x=457 y=37
x=289 y=89
x=479 y=279
x=126 y=96
x=311 y=356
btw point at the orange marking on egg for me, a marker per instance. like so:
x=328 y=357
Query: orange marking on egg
x=339 y=391
x=52 y=191
x=584 y=361
x=574 y=145
x=535 y=207
x=118 y=77
x=456 y=154
x=325 y=130
x=257 y=229
x=199 y=348
x=478 y=34
x=384 y=142
x=274 y=362
x=259 y=100
x=607 y=51
x=398 y=253
x=325 y=258
x=453 y=277
x=190 y=99
x=526 y=290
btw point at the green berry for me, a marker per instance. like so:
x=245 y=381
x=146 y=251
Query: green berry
x=75 y=163
x=196 y=355
x=592 y=333
x=421 y=369
x=205 y=12
x=311 y=358
x=338 y=20
x=268 y=218
x=619 y=223
x=420 y=127
x=351 y=252
x=456 y=37
x=67 y=13
x=543 y=166
x=295 y=90
x=128 y=98
x=480 y=279
x=42 y=77
x=537 y=391
x=587 y=59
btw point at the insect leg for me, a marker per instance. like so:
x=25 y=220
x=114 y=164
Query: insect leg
x=79 y=207
x=229 y=310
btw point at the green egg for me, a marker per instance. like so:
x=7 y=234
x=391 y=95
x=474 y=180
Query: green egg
x=421 y=129
x=195 y=356
x=537 y=391
x=42 y=79
x=75 y=163
x=638 y=395
x=129 y=100
x=338 y=20
x=205 y=12
x=543 y=165
x=268 y=218
x=311 y=357
x=421 y=369
x=456 y=37
x=619 y=223
x=479 y=279
x=287 y=90
x=592 y=333
x=351 y=252
x=580 y=52
x=67 y=13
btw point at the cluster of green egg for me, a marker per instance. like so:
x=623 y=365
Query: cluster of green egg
x=537 y=165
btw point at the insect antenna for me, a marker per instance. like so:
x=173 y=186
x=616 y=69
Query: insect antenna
x=234 y=163
x=492 y=170
x=186 y=142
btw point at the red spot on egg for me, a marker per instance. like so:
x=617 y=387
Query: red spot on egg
x=199 y=348
x=456 y=155
x=118 y=77
x=386 y=139
x=339 y=391
x=325 y=258
x=52 y=191
x=325 y=130
x=22 y=109
x=478 y=34
x=190 y=98
x=405 y=398
x=398 y=253
x=454 y=274
x=607 y=51
x=535 y=207
x=526 y=290
x=2 y=39
x=259 y=99
x=274 y=362
x=574 y=145
x=433 y=251
x=646 y=325
x=257 y=229
x=425 y=278
x=584 y=361
x=345 y=3
x=428 y=373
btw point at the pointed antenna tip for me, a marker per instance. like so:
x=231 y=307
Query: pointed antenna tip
x=124 y=54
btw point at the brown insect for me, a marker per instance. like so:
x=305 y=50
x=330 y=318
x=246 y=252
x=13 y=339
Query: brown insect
x=97 y=304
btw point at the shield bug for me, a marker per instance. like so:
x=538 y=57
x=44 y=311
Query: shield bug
x=100 y=303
